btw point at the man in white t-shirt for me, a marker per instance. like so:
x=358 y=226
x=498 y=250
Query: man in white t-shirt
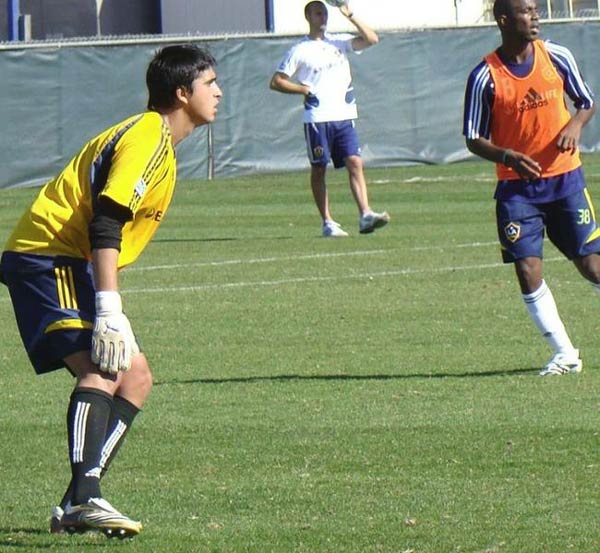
x=317 y=67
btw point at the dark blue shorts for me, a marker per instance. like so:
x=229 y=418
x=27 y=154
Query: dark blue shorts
x=54 y=303
x=335 y=140
x=570 y=223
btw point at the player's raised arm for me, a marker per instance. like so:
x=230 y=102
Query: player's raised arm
x=368 y=37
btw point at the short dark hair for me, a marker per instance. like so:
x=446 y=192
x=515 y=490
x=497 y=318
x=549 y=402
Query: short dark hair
x=501 y=7
x=174 y=67
x=310 y=5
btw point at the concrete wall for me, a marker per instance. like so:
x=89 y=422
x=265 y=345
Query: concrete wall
x=210 y=17
x=385 y=14
x=76 y=18
x=55 y=19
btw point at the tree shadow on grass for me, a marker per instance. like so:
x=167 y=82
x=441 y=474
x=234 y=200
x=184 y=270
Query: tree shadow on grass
x=348 y=377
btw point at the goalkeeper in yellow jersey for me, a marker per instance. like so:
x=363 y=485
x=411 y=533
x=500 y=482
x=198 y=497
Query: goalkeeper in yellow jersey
x=61 y=268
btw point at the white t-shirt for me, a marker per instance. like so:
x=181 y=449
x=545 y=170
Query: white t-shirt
x=323 y=66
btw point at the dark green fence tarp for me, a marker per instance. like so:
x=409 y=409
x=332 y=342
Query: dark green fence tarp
x=410 y=90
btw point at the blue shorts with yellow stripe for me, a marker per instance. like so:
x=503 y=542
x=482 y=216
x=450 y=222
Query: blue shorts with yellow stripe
x=570 y=223
x=53 y=301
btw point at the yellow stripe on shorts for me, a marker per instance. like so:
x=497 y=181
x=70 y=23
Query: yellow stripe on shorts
x=68 y=324
x=596 y=233
x=65 y=286
x=589 y=201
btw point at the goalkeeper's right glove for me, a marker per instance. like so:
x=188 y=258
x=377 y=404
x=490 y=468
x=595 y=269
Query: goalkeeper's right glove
x=113 y=342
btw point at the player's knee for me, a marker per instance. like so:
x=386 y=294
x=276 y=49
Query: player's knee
x=592 y=273
x=145 y=380
x=530 y=278
x=140 y=376
x=318 y=171
x=590 y=268
x=354 y=163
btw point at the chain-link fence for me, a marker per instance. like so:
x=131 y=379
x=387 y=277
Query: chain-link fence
x=553 y=9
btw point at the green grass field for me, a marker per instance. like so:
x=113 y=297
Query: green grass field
x=370 y=394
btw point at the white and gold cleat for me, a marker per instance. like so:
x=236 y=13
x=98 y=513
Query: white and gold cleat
x=100 y=516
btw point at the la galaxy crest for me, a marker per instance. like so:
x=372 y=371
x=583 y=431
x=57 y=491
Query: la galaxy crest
x=512 y=232
x=318 y=152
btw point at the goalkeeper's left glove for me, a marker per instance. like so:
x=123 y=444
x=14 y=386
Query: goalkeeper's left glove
x=113 y=342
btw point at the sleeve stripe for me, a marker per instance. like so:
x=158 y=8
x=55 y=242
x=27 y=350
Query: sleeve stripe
x=575 y=86
x=100 y=168
x=476 y=118
x=157 y=158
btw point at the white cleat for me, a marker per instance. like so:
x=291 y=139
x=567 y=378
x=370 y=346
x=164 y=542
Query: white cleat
x=333 y=230
x=371 y=221
x=563 y=363
x=99 y=515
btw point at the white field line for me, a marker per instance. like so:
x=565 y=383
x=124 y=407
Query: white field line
x=254 y=261
x=299 y=280
x=257 y=260
x=457 y=246
x=303 y=280
x=481 y=177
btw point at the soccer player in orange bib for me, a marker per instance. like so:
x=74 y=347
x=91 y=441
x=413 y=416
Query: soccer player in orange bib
x=515 y=115
x=61 y=268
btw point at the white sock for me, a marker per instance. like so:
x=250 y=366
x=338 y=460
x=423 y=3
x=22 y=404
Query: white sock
x=542 y=310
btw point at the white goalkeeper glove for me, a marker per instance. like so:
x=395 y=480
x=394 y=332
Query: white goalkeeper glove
x=113 y=342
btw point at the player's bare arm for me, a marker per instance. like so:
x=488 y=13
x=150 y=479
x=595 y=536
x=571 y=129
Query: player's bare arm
x=525 y=166
x=282 y=83
x=568 y=139
x=105 y=262
x=368 y=37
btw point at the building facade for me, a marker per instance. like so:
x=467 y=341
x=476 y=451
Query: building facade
x=64 y=19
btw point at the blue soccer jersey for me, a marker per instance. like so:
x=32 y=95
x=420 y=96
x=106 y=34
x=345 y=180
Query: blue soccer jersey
x=477 y=122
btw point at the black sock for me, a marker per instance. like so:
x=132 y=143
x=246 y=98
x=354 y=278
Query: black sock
x=120 y=421
x=87 y=419
x=68 y=495
x=121 y=418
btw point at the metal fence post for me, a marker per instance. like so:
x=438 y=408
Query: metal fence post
x=211 y=154
x=14 y=9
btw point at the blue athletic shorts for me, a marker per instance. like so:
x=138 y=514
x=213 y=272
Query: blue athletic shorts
x=335 y=140
x=54 y=303
x=570 y=223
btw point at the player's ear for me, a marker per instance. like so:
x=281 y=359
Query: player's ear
x=502 y=21
x=182 y=94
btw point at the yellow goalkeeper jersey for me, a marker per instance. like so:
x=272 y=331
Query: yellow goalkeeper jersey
x=132 y=163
